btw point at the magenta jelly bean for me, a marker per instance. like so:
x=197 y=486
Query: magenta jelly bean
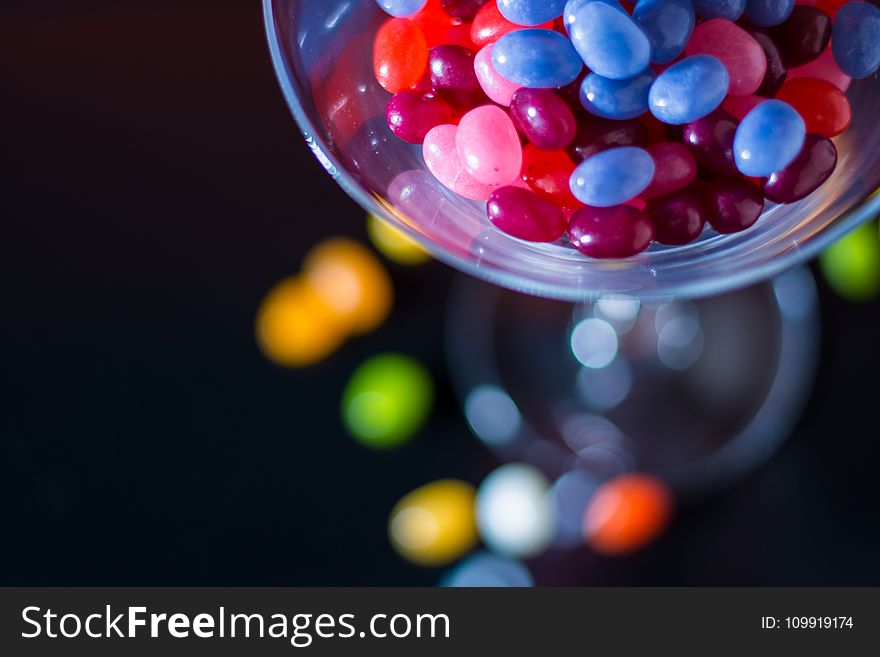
x=489 y=146
x=675 y=169
x=498 y=88
x=441 y=157
x=711 y=141
x=803 y=36
x=809 y=170
x=525 y=215
x=598 y=135
x=616 y=232
x=677 y=218
x=464 y=9
x=543 y=118
x=741 y=55
x=732 y=204
x=411 y=115
x=454 y=77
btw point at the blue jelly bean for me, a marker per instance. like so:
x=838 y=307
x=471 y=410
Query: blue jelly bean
x=616 y=99
x=539 y=59
x=855 y=41
x=689 y=90
x=768 y=138
x=609 y=42
x=612 y=177
x=732 y=10
x=668 y=24
x=569 y=13
x=402 y=8
x=531 y=12
x=767 y=13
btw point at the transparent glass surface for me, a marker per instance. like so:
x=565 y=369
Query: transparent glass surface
x=322 y=52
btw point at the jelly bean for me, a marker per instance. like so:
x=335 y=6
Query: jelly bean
x=597 y=136
x=618 y=232
x=400 y=54
x=489 y=146
x=776 y=68
x=830 y=7
x=668 y=25
x=732 y=204
x=678 y=218
x=739 y=106
x=689 y=90
x=464 y=9
x=823 y=106
x=710 y=139
x=729 y=9
x=856 y=39
x=804 y=36
x=498 y=88
x=531 y=12
x=741 y=55
x=768 y=138
x=823 y=68
x=613 y=176
x=525 y=215
x=435 y=23
x=393 y=243
x=674 y=169
x=572 y=7
x=767 y=13
x=490 y=25
x=548 y=173
x=454 y=77
x=609 y=42
x=536 y=58
x=402 y=8
x=441 y=157
x=543 y=118
x=616 y=99
x=460 y=35
x=812 y=167
x=411 y=116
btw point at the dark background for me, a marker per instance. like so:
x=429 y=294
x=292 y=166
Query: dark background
x=153 y=188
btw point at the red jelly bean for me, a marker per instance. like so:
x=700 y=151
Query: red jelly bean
x=678 y=218
x=674 y=169
x=824 y=108
x=595 y=136
x=490 y=25
x=803 y=36
x=543 y=118
x=823 y=68
x=524 y=214
x=711 y=141
x=805 y=174
x=732 y=204
x=435 y=23
x=616 y=232
x=400 y=54
x=454 y=77
x=548 y=173
x=411 y=115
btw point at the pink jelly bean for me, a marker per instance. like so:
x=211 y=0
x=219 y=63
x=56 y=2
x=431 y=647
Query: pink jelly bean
x=498 y=88
x=822 y=68
x=489 y=146
x=741 y=55
x=674 y=168
x=441 y=157
x=739 y=106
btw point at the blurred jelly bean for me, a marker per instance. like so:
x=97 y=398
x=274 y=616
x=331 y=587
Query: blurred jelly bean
x=856 y=39
x=768 y=138
x=400 y=54
x=464 y=9
x=489 y=146
x=402 y=8
x=441 y=157
x=543 y=118
x=609 y=42
x=596 y=136
x=484 y=570
x=531 y=12
x=394 y=244
x=490 y=25
x=741 y=55
x=618 y=232
x=525 y=215
x=677 y=218
x=498 y=88
x=776 y=68
x=411 y=116
x=454 y=77
x=824 y=108
x=627 y=513
x=434 y=524
x=548 y=173
x=613 y=176
x=668 y=24
x=711 y=141
x=616 y=99
x=823 y=68
x=689 y=89
x=851 y=265
x=812 y=167
x=728 y=9
x=732 y=204
x=387 y=399
x=541 y=59
x=739 y=106
x=804 y=36
x=674 y=169
x=767 y=13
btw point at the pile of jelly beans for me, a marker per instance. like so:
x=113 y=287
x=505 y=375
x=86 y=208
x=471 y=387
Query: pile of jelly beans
x=614 y=126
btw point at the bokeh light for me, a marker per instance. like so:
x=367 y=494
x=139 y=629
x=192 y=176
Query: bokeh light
x=394 y=244
x=484 y=570
x=434 y=525
x=852 y=264
x=387 y=399
x=492 y=415
x=594 y=343
x=571 y=494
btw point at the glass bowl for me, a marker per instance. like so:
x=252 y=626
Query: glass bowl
x=322 y=53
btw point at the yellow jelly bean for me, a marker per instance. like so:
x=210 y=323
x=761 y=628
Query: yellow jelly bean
x=394 y=244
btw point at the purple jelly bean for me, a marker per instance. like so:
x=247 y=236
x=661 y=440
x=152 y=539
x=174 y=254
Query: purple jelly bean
x=777 y=71
x=805 y=174
x=525 y=215
x=543 y=118
x=454 y=77
x=464 y=9
x=678 y=218
x=711 y=141
x=617 y=232
x=411 y=115
x=732 y=204
x=598 y=135
x=803 y=36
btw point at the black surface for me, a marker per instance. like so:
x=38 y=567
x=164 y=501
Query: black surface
x=154 y=187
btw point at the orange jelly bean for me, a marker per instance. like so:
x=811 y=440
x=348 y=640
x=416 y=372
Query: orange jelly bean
x=548 y=173
x=823 y=107
x=400 y=54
